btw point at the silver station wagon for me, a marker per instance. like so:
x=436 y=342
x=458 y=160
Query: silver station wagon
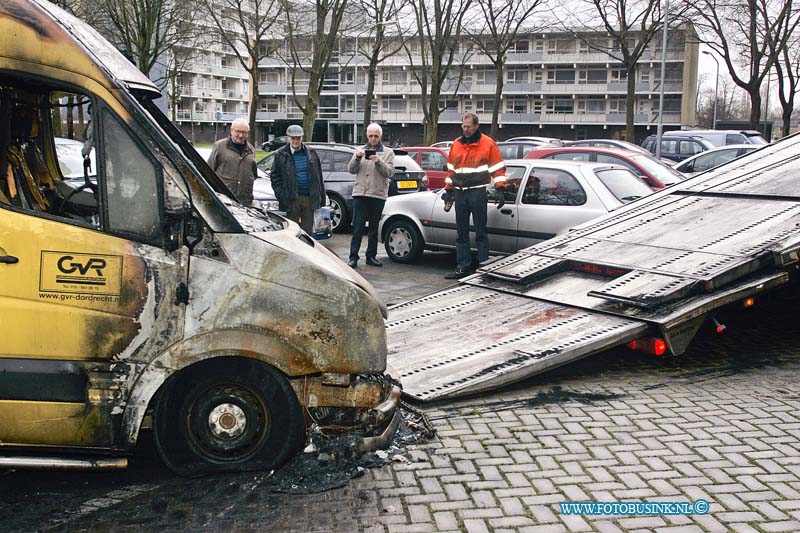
x=546 y=199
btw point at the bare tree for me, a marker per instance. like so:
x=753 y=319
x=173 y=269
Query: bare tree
x=439 y=26
x=787 y=68
x=497 y=31
x=749 y=35
x=380 y=14
x=631 y=25
x=313 y=28
x=146 y=30
x=242 y=25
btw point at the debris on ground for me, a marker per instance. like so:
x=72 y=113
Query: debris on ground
x=330 y=463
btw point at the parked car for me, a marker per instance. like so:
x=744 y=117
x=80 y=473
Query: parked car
x=408 y=177
x=713 y=158
x=723 y=137
x=442 y=144
x=433 y=161
x=518 y=149
x=275 y=143
x=655 y=173
x=607 y=143
x=70 y=159
x=677 y=147
x=546 y=199
x=543 y=140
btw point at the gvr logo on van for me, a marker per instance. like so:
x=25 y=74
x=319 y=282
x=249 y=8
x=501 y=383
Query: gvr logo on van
x=80 y=273
x=68 y=265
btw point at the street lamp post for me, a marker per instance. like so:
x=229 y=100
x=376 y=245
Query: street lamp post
x=355 y=75
x=716 y=88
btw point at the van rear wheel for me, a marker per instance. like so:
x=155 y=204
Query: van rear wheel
x=240 y=416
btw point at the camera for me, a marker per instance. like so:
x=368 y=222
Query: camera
x=368 y=153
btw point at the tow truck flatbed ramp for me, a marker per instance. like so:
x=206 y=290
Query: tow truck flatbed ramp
x=498 y=345
x=656 y=266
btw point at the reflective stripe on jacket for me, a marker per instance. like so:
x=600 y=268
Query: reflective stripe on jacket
x=474 y=164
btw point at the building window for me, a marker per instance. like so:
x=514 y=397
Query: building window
x=269 y=76
x=393 y=75
x=618 y=74
x=517 y=104
x=393 y=104
x=538 y=45
x=521 y=46
x=517 y=75
x=484 y=105
x=560 y=106
x=592 y=104
x=486 y=76
x=561 y=46
x=617 y=104
x=537 y=75
x=560 y=75
x=593 y=75
x=415 y=105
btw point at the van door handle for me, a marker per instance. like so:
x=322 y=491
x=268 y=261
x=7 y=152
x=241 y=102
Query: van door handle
x=506 y=211
x=8 y=259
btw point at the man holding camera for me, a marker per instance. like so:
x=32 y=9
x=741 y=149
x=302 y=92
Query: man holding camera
x=373 y=165
x=474 y=163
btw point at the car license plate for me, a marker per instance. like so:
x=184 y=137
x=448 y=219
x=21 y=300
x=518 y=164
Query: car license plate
x=407 y=184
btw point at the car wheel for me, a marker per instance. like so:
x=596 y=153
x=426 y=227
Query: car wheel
x=340 y=219
x=230 y=415
x=403 y=242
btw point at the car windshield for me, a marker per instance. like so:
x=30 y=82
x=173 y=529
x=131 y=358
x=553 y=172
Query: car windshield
x=665 y=174
x=70 y=159
x=265 y=165
x=756 y=139
x=623 y=184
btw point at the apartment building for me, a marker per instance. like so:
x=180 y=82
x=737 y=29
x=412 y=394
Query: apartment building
x=555 y=85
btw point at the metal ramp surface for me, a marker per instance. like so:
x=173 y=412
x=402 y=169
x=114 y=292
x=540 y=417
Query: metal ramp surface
x=470 y=339
x=655 y=265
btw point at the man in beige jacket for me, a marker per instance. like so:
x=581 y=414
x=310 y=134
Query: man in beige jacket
x=373 y=165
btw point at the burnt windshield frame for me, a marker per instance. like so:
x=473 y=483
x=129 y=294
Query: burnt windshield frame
x=203 y=183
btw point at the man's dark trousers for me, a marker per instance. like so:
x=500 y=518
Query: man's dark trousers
x=366 y=209
x=474 y=202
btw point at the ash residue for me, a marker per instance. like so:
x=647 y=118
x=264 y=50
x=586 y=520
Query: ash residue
x=334 y=462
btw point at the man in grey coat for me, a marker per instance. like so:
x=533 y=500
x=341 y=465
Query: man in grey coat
x=373 y=165
x=233 y=159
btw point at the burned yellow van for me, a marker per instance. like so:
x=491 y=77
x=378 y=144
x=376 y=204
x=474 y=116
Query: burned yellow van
x=136 y=286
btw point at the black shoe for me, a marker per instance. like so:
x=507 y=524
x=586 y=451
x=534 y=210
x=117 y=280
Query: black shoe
x=353 y=263
x=457 y=274
x=372 y=261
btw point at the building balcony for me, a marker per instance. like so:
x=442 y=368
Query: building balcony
x=272 y=88
x=521 y=88
x=518 y=118
x=270 y=116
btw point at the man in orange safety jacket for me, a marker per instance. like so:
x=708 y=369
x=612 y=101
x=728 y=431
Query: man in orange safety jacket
x=474 y=163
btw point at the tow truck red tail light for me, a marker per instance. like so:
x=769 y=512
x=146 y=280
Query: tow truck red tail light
x=748 y=302
x=651 y=345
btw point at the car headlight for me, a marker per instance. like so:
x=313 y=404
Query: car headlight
x=266 y=205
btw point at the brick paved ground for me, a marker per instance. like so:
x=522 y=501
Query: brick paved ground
x=720 y=424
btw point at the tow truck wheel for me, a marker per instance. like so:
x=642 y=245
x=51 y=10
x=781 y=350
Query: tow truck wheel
x=402 y=242
x=230 y=415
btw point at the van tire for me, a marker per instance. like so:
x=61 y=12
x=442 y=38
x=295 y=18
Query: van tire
x=227 y=415
x=340 y=217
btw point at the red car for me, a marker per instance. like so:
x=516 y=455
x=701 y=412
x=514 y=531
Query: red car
x=656 y=174
x=433 y=161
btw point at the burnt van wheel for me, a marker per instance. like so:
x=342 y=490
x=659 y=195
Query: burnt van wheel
x=243 y=415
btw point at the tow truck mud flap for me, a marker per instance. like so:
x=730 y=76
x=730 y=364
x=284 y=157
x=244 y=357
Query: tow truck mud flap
x=470 y=339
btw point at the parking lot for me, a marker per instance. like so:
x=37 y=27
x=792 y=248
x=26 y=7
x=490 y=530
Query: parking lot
x=718 y=424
